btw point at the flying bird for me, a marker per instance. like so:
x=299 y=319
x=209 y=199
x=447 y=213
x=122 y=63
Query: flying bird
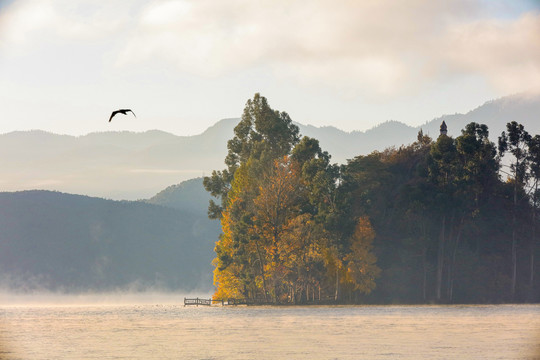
x=121 y=111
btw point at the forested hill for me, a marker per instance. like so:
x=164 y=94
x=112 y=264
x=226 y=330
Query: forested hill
x=56 y=241
x=126 y=165
x=189 y=196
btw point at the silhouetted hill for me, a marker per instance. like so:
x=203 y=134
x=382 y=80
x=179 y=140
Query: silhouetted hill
x=127 y=165
x=189 y=196
x=346 y=145
x=56 y=241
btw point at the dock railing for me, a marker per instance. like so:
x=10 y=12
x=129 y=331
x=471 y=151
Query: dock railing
x=257 y=301
x=202 y=302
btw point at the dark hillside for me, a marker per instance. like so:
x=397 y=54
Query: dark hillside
x=56 y=241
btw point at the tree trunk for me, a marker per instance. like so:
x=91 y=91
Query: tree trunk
x=337 y=283
x=514 y=245
x=531 y=276
x=425 y=267
x=514 y=264
x=452 y=269
x=440 y=260
x=533 y=242
x=263 y=274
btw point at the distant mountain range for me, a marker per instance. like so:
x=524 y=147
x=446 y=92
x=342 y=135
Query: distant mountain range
x=126 y=165
x=51 y=240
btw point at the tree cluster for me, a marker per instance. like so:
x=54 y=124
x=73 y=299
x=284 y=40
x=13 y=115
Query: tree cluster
x=445 y=220
x=280 y=241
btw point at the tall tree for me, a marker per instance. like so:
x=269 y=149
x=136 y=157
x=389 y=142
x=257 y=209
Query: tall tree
x=274 y=207
x=476 y=177
x=263 y=134
x=515 y=141
x=534 y=168
x=442 y=172
x=360 y=261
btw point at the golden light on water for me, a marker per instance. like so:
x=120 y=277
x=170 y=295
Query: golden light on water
x=174 y=331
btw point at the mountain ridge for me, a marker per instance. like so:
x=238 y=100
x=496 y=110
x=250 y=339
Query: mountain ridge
x=134 y=165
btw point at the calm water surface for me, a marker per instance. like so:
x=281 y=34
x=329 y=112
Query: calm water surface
x=358 y=332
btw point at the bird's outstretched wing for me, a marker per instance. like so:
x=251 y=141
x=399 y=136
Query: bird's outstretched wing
x=113 y=113
x=121 y=111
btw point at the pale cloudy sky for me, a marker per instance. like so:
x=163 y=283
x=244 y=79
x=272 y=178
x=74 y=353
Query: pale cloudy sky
x=182 y=65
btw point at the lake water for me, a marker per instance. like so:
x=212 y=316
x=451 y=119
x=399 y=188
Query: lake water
x=172 y=331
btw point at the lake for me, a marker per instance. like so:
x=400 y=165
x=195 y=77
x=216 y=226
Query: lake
x=171 y=331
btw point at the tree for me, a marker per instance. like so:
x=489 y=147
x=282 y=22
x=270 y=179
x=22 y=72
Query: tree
x=262 y=135
x=534 y=171
x=515 y=141
x=360 y=260
x=274 y=207
x=442 y=172
x=476 y=177
x=235 y=264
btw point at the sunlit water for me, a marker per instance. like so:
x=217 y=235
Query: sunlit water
x=158 y=331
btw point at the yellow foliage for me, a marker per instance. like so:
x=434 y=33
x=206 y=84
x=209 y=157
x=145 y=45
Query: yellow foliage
x=361 y=262
x=226 y=278
x=269 y=246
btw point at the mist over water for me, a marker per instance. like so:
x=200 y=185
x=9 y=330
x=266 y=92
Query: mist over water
x=167 y=330
x=10 y=299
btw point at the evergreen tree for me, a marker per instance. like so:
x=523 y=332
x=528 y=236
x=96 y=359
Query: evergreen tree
x=515 y=141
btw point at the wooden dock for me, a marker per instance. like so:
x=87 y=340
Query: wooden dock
x=234 y=302
x=251 y=302
x=202 y=302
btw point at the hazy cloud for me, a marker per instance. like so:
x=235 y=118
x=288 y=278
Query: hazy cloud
x=375 y=49
x=381 y=47
x=367 y=47
x=507 y=53
x=26 y=22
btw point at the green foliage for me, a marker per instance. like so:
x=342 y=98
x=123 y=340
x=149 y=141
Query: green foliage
x=261 y=136
x=277 y=212
x=442 y=216
x=427 y=222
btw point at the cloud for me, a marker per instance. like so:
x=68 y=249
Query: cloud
x=26 y=22
x=370 y=48
x=506 y=53
x=20 y=20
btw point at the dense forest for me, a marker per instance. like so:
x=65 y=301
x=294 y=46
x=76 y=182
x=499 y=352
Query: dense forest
x=446 y=220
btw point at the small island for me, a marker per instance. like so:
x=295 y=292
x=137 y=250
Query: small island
x=441 y=220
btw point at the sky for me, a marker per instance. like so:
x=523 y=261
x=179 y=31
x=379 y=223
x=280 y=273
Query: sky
x=182 y=65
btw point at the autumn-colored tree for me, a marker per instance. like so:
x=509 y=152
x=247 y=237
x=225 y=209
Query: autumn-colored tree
x=273 y=208
x=234 y=263
x=278 y=209
x=302 y=253
x=262 y=135
x=360 y=260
